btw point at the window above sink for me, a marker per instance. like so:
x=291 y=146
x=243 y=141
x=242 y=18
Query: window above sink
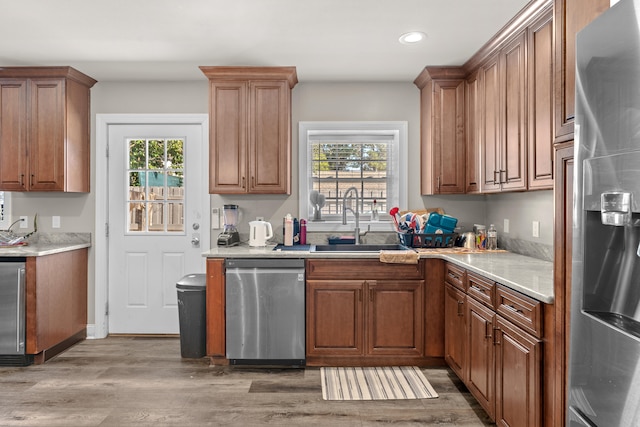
x=334 y=156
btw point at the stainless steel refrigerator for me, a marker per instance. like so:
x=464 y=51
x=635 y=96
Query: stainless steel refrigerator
x=604 y=370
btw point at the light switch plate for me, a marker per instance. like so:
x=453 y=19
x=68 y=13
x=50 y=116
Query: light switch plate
x=535 y=230
x=55 y=221
x=215 y=218
x=506 y=225
x=24 y=221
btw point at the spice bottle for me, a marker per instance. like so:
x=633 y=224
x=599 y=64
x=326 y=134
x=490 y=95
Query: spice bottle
x=492 y=238
x=481 y=237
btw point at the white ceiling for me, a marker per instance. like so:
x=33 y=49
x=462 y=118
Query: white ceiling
x=327 y=40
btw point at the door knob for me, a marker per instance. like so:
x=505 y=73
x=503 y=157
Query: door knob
x=195 y=240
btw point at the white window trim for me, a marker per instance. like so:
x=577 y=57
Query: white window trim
x=306 y=128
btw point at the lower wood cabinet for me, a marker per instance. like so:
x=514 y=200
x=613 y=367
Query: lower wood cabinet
x=455 y=306
x=495 y=347
x=56 y=302
x=366 y=320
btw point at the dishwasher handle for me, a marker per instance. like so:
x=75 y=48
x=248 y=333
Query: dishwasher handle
x=231 y=263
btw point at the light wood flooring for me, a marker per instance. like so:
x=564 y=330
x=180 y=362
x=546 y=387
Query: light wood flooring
x=143 y=381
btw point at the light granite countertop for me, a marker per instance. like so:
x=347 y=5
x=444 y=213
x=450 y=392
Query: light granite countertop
x=48 y=244
x=530 y=276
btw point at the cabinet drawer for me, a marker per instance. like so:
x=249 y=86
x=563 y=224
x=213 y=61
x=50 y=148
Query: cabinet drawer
x=454 y=275
x=519 y=309
x=362 y=269
x=481 y=289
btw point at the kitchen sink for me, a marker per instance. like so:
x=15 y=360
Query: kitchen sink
x=359 y=248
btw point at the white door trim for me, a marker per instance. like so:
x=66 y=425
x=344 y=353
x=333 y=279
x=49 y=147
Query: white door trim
x=101 y=251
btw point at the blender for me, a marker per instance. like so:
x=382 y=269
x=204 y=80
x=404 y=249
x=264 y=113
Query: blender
x=230 y=236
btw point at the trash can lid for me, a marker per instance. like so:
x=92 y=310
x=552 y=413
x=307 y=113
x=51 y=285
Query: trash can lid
x=195 y=281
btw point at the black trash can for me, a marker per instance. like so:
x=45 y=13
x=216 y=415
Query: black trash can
x=192 y=313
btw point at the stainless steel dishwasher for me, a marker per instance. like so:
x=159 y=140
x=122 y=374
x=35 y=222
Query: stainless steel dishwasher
x=12 y=313
x=265 y=311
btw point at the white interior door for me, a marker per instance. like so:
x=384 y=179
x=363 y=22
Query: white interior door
x=158 y=222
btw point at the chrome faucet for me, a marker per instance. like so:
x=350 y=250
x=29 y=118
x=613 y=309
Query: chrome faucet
x=356 y=213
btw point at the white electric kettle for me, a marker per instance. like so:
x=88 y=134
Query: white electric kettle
x=259 y=233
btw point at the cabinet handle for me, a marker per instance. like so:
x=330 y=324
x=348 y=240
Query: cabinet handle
x=243 y=185
x=460 y=312
x=22 y=180
x=487 y=330
x=253 y=182
x=514 y=309
x=31 y=181
x=496 y=338
x=454 y=276
x=438 y=187
x=477 y=289
x=495 y=179
x=505 y=176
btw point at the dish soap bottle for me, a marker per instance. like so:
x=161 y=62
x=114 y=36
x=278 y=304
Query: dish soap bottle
x=492 y=238
x=374 y=211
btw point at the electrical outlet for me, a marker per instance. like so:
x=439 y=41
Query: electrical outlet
x=24 y=221
x=259 y=218
x=535 y=230
x=55 y=221
x=506 y=226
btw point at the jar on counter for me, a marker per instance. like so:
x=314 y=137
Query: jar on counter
x=481 y=237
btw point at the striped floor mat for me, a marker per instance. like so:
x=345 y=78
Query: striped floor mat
x=404 y=382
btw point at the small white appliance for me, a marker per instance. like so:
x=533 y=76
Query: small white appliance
x=259 y=233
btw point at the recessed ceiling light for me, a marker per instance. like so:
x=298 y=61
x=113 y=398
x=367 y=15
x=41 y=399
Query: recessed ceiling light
x=412 y=37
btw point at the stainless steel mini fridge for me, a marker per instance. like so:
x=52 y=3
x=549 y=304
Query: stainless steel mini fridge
x=12 y=313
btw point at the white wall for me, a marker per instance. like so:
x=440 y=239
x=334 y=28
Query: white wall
x=310 y=102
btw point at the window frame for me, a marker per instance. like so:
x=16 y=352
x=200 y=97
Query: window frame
x=397 y=129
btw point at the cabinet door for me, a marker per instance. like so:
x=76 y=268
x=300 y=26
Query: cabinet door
x=490 y=126
x=518 y=377
x=395 y=317
x=47 y=135
x=472 y=132
x=13 y=135
x=563 y=197
x=269 y=137
x=513 y=156
x=480 y=355
x=335 y=317
x=570 y=16
x=228 y=137
x=540 y=108
x=216 y=300
x=455 y=330
x=448 y=135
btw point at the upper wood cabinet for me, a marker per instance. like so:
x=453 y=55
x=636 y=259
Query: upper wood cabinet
x=44 y=129
x=540 y=105
x=442 y=147
x=503 y=131
x=570 y=16
x=473 y=114
x=250 y=129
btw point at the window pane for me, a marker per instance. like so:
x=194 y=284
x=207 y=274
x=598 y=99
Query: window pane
x=137 y=217
x=156 y=154
x=137 y=154
x=175 y=185
x=337 y=166
x=175 y=154
x=137 y=188
x=156 y=216
x=175 y=220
